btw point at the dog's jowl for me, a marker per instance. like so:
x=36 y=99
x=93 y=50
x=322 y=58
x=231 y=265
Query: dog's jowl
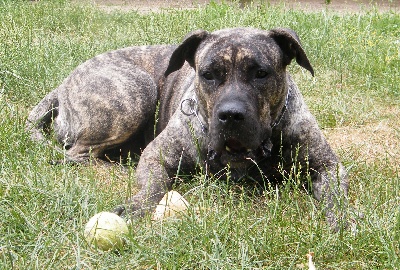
x=223 y=98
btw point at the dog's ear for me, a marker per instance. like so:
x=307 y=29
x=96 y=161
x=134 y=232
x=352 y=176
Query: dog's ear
x=186 y=51
x=289 y=42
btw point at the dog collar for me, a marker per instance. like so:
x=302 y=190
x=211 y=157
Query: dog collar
x=282 y=112
x=193 y=110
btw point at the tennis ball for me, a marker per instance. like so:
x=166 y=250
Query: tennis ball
x=171 y=205
x=106 y=231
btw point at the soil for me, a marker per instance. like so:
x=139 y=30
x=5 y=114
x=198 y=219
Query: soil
x=144 y=6
x=369 y=143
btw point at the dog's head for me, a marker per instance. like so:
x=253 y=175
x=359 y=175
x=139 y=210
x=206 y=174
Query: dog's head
x=241 y=85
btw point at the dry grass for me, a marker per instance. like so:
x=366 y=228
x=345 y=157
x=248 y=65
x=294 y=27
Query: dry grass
x=371 y=142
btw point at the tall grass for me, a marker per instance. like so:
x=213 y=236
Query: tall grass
x=43 y=208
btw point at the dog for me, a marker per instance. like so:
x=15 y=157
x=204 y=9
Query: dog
x=219 y=99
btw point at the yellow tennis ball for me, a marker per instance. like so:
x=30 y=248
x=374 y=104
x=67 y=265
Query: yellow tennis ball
x=106 y=231
x=171 y=205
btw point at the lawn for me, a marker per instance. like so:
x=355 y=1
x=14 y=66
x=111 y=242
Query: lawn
x=355 y=96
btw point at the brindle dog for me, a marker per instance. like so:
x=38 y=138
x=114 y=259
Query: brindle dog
x=222 y=98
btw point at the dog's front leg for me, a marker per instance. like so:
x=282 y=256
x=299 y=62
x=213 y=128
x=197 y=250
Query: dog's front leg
x=330 y=186
x=157 y=168
x=328 y=176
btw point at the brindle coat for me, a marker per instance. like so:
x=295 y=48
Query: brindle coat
x=224 y=98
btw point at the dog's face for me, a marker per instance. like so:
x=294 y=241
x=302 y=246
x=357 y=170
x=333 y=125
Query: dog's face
x=241 y=88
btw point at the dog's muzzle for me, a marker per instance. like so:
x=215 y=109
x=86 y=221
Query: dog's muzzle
x=235 y=134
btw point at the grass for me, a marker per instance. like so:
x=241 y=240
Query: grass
x=356 y=90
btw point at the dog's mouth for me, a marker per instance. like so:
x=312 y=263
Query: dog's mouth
x=235 y=147
x=236 y=153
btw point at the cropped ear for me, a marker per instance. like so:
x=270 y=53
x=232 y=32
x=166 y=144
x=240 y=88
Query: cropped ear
x=289 y=43
x=186 y=51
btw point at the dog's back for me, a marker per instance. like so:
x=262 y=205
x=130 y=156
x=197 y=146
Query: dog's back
x=103 y=102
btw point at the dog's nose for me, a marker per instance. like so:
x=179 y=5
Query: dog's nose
x=231 y=113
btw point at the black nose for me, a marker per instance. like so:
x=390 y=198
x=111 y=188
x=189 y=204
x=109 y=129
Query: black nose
x=231 y=113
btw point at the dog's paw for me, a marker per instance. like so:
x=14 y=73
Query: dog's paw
x=130 y=211
x=348 y=220
x=120 y=210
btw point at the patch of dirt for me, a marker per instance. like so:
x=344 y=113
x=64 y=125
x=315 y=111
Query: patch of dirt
x=379 y=141
x=144 y=6
x=368 y=143
x=343 y=6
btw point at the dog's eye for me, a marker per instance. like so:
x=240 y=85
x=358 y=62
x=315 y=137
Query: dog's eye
x=208 y=76
x=261 y=74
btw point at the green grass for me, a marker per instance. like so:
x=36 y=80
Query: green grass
x=43 y=208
